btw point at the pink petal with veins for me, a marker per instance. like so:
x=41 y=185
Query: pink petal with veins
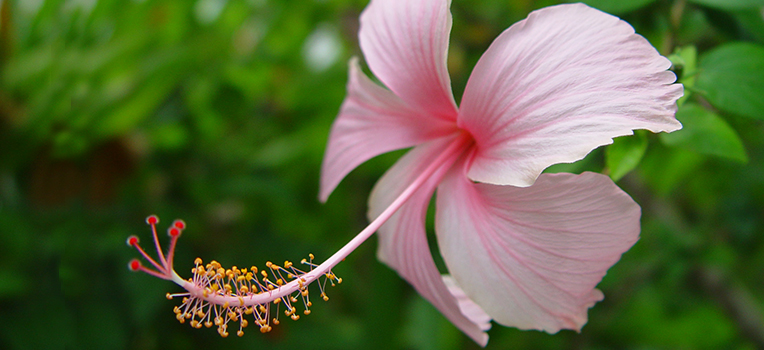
x=405 y=44
x=372 y=121
x=403 y=240
x=532 y=256
x=559 y=84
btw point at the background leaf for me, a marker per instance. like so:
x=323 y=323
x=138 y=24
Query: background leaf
x=705 y=132
x=618 y=7
x=730 y=4
x=731 y=77
x=625 y=154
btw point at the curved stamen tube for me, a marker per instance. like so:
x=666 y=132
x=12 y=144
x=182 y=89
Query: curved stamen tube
x=216 y=295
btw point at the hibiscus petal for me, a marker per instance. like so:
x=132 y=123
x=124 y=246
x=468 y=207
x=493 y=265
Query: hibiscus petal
x=372 y=121
x=559 y=84
x=403 y=240
x=468 y=307
x=405 y=44
x=532 y=256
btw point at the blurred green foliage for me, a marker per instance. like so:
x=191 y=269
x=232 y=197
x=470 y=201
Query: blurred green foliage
x=217 y=112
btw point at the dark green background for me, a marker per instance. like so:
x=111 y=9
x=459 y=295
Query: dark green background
x=217 y=112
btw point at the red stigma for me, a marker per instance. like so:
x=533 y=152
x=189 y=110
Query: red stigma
x=132 y=241
x=180 y=224
x=173 y=232
x=152 y=220
x=134 y=265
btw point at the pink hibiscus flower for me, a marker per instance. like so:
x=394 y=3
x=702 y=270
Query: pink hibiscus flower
x=522 y=248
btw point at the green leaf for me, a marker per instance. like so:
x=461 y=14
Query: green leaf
x=617 y=7
x=731 y=77
x=730 y=4
x=625 y=154
x=707 y=133
x=685 y=58
x=752 y=21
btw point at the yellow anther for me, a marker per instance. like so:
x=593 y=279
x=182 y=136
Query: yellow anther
x=293 y=299
x=194 y=323
x=277 y=301
x=295 y=317
x=324 y=296
x=226 y=305
x=271 y=287
x=249 y=311
x=307 y=312
x=264 y=329
x=168 y=296
x=188 y=315
x=205 y=292
x=280 y=282
x=311 y=256
x=268 y=264
x=198 y=261
x=232 y=315
x=262 y=309
x=240 y=333
x=276 y=321
x=339 y=280
x=244 y=289
x=290 y=276
x=310 y=304
x=200 y=314
x=304 y=293
x=240 y=278
x=218 y=321
x=265 y=274
x=253 y=269
x=303 y=261
x=244 y=323
x=208 y=324
x=287 y=264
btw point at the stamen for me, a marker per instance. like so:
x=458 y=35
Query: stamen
x=216 y=295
